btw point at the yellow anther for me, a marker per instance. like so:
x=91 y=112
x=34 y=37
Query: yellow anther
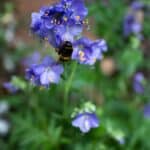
x=81 y=54
x=78 y=17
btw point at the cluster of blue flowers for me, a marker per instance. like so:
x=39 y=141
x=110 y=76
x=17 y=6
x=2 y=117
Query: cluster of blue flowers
x=59 y=23
x=134 y=19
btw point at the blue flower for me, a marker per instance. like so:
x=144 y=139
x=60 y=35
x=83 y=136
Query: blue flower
x=45 y=73
x=10 y=87
x=146 y=111
x=37 y=25
x=136 y=5
x=138 y=81
x=60 y=22
x=131 y=26
x=85 y=122
x=79 y=11
x=132 y=23
x=87 y=51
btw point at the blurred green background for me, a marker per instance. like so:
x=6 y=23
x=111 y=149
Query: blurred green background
x=31 y=119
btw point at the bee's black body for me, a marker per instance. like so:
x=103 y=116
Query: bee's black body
x=65 y=51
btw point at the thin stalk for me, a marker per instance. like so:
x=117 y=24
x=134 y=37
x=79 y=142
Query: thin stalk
x=68 y=87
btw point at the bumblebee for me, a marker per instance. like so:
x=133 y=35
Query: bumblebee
x=65 y=51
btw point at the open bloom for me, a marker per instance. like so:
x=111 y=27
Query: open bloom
x=45 y=73
x=87 y=51
x=138 y=83
x=85 y=122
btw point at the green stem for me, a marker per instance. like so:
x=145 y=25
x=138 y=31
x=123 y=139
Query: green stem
x=68 y=86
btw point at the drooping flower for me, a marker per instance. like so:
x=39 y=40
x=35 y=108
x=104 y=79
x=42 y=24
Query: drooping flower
x=138 y=83
x=85 y=122
x=146 y=111
x=46 y=73
x=87 y=51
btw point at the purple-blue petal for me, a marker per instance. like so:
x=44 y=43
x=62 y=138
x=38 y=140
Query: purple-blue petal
x=146 y=111
x=45 y=73
x=87 y=51
x=10 y=87
x=138 y=83
x=85 y=122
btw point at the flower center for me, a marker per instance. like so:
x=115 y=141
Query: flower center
x=56 y=17
x=82 y=56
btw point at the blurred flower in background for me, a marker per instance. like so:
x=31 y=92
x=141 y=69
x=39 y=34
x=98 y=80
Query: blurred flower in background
x=133 y=20
x=4 y=127
x=4 y=123
x=10 y=87
x=146 y=111
x=138 y=83
x=136 y=5
x=4 y=107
